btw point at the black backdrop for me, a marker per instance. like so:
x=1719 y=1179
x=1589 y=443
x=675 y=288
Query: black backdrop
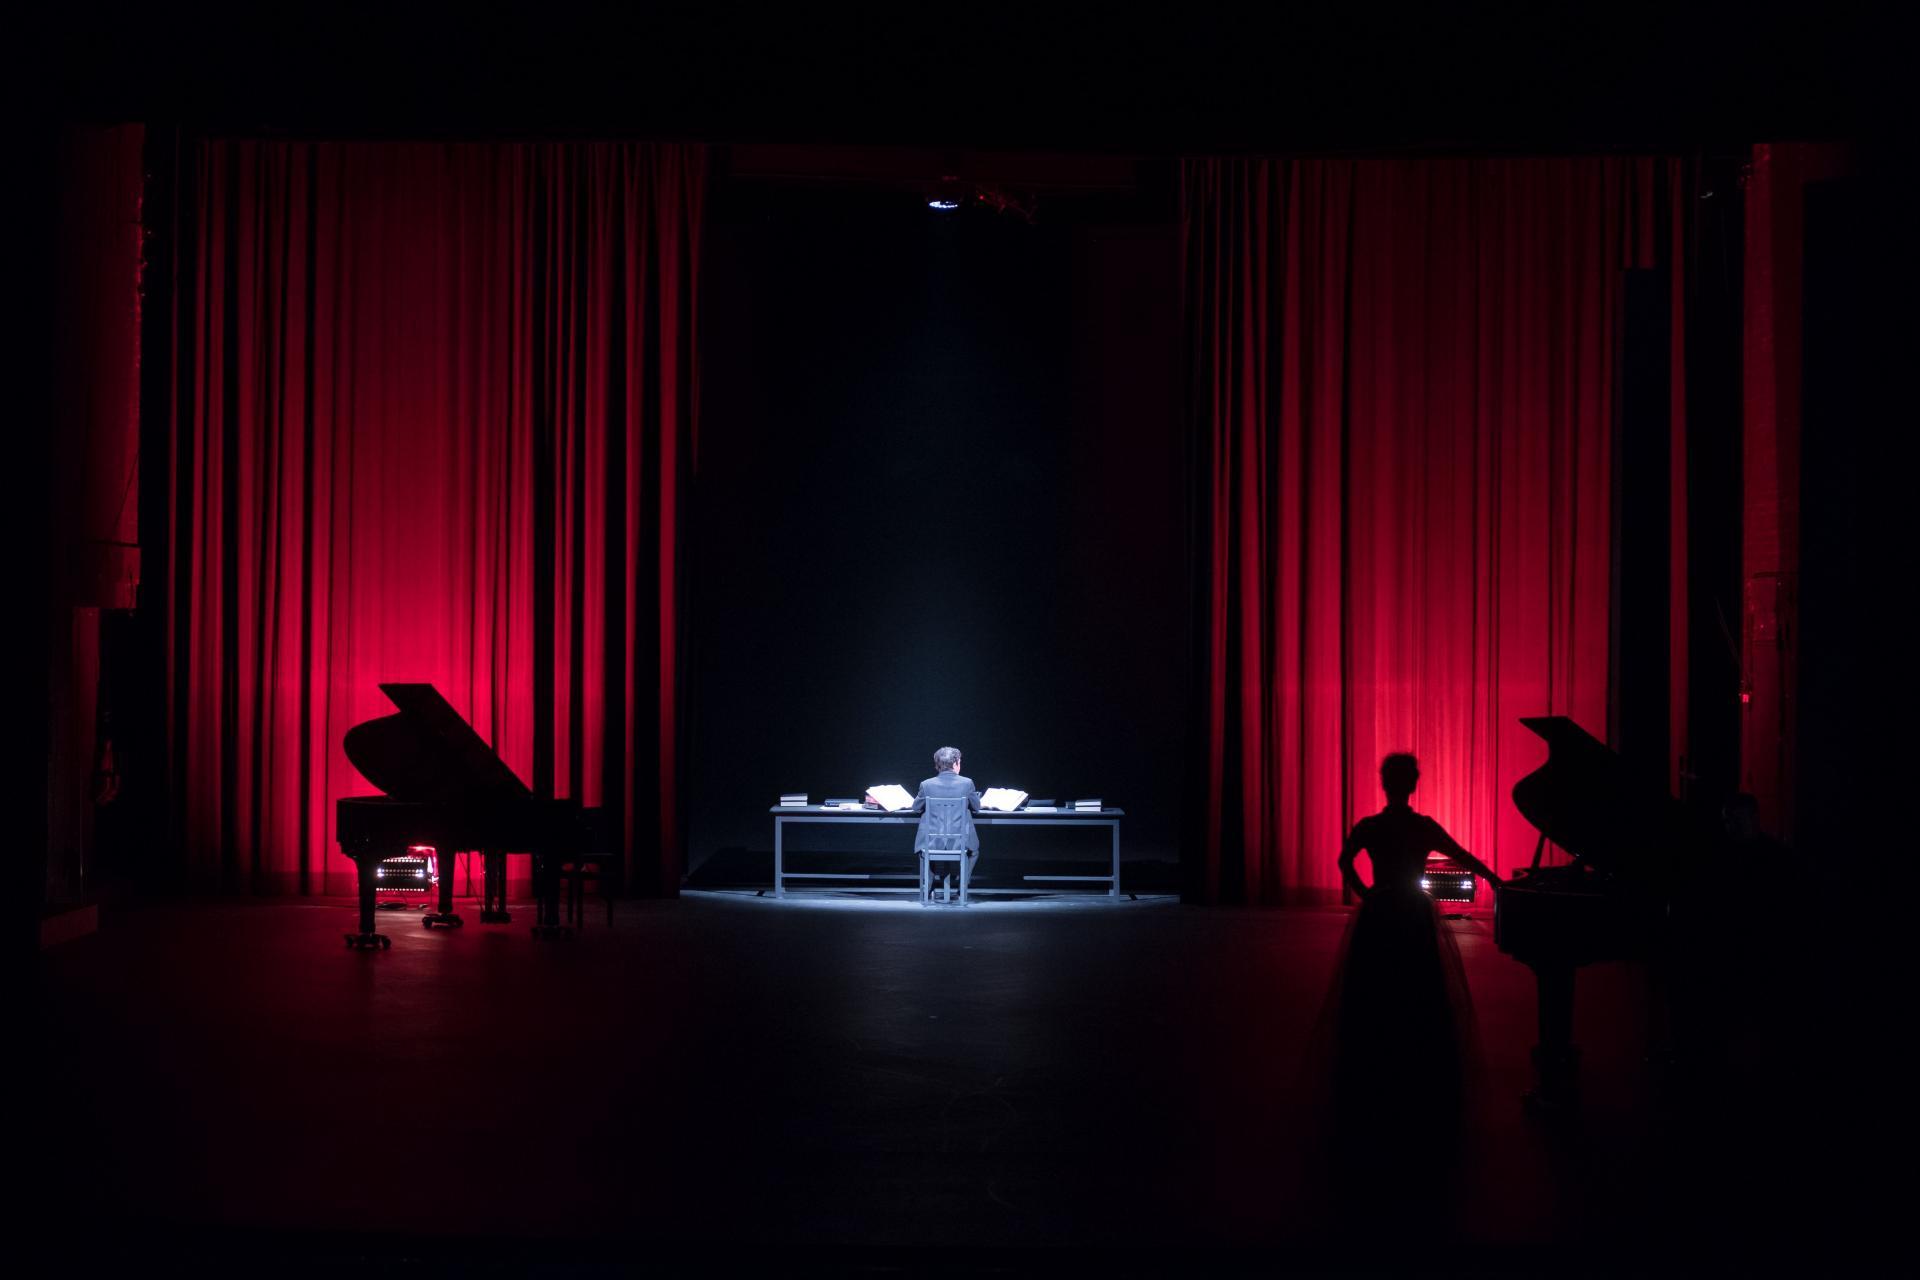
x=940 y=500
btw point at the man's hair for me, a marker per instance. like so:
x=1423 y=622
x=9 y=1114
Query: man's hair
x=946 y=757
x=1399 y=773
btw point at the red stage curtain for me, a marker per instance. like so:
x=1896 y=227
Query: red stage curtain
x=435 y=406
x=1402 y=385
x=1776 y=194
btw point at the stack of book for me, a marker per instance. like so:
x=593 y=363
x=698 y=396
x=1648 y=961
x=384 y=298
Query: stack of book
x=1087 y=806
x=793 y=800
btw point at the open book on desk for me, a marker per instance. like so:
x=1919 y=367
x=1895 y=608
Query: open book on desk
x=890 y=796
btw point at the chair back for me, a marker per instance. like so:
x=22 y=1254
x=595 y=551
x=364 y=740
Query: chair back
x=944 y=828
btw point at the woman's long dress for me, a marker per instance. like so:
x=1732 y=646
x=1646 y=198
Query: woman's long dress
x=1396 y=1034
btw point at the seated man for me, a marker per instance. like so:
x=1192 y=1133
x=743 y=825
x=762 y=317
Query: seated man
x=947 y=781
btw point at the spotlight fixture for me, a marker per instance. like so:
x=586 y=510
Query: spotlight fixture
x=1001 y=200
x=951 y=192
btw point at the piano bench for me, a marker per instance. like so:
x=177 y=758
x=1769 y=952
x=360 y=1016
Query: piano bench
x=574 y=873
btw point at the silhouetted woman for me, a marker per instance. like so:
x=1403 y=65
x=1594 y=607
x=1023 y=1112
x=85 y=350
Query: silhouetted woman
x=1401 y=1018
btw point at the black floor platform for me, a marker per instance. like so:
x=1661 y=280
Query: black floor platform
x=840 y=1079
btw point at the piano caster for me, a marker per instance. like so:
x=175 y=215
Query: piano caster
x=368 y=942
x=496 y=917
x=448 y=919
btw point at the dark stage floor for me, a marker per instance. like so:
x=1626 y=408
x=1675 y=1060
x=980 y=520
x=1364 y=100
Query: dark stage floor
x=852 y=1082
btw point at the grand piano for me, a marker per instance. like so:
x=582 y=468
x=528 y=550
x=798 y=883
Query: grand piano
x=445 y=787
x=1630 y=843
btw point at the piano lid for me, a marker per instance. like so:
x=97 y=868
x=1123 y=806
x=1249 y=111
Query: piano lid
x=1587 y=800
x=428 y=752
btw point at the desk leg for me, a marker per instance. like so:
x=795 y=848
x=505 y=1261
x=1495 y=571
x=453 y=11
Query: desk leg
x=1114 y=890
x=779 y=881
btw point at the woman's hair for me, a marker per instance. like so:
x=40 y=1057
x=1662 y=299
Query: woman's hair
x=946 y=757
x=1399 y=774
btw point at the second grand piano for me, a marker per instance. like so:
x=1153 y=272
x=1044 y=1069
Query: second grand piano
x=446 y=788
x=1630 y=843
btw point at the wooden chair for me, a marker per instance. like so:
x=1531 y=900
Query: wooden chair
x=943 y=838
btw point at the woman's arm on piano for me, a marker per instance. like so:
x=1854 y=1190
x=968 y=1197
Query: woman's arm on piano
x=1450 y=847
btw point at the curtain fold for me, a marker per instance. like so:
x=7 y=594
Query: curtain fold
x=1774 y=245
x=1402 y=383
x=433 y=420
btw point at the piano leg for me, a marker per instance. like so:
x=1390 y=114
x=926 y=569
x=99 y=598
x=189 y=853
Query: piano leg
x=546 y=898
x=1556 y=1062
x=366 y=939
x=445 y=915
x=493 y=900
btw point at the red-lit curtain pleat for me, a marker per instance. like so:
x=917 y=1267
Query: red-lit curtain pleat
x=1402 y=384
x=1774 y=243
x=384 y=351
